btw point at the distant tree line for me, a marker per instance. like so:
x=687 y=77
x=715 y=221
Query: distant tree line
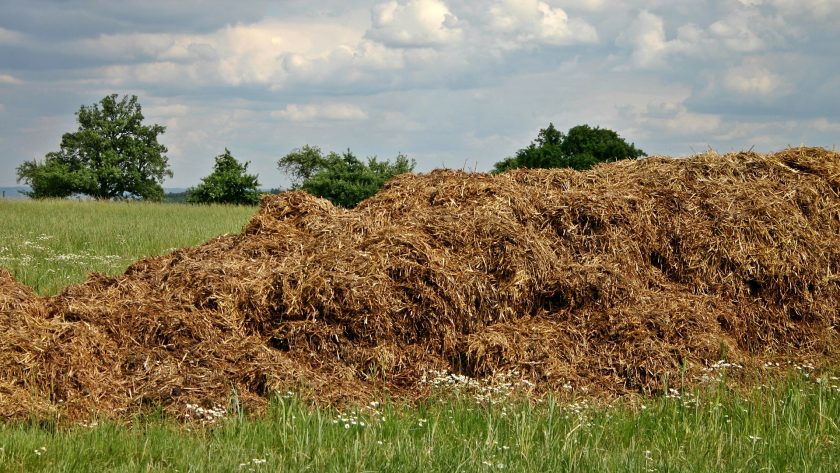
x=113 y=155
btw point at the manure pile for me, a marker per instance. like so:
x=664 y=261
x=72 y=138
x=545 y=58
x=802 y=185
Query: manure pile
x=613 y=279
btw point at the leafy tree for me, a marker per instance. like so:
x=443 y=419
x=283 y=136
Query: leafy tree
x=301 y=164
x=111 y=156
x=582 y=147
x=341 y=178
x=52 y=179
x=227 y=184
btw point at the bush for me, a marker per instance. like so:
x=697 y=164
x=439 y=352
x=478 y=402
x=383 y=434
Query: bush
x=341 y=178
x=227 y=184
x=581 y=148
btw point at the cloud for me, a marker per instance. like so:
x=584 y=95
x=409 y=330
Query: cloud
x=741 y=30
x=753 y=80
x=592 y=5
x=650 y=48
x=9 y=36
x=445 y=81
x=532 y=21
x=317 y=112
x=826 y=126
x=413 y=23
x=674 y=118
x=56 y=21
x=646 y=38
x=270 y=53
x=737 y=33
x=9 y=79
x=813 y=8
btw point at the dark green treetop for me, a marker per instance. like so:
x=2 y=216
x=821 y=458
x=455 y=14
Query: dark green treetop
x=582 y=147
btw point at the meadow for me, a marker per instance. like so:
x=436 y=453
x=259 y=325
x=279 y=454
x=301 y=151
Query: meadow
x=50 y=244
x=787 y=421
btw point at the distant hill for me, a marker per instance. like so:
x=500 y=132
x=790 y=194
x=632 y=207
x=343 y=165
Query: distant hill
x=175 y=196
x=13 y=192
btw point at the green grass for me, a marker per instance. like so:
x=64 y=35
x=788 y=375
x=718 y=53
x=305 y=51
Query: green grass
x=787 y=425
x=791 y=427
x=50 y=244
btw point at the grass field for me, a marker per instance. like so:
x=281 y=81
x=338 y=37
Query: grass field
x=787 y=425
x=787 y=428
x=48 y=245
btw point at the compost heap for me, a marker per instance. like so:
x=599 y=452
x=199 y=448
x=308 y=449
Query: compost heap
x=613 y=280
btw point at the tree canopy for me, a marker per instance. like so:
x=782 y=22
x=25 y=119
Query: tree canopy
x=582 y=147
x=229 y=183
x=112 y=155
x=341 y=178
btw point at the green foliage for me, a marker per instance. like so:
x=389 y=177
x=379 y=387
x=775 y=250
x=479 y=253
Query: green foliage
x=50 y=180
x=342 y=178
x=111 y=156
x=301 y=164
x=582 y=147
x=227 y=184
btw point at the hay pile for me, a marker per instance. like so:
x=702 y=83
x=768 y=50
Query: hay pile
x=610 y=279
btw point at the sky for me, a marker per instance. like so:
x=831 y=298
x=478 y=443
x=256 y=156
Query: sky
x=451 y=83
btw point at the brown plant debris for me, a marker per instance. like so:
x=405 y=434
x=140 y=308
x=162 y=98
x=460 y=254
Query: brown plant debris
x=614 y=280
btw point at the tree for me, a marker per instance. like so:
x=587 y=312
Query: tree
x=111 y=156
x=341 y=178
x=582 y=147
x=227 y=184
x=301 y=164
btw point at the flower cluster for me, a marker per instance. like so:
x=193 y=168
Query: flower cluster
x=365 y=417
x=349 y=421
x=32 y=252
x=208 y=415
x=722 y=365
x=492 y=389
x=493 y=462
x=715 y=372
x=686 y=398
x=254 y=463
x=579 y=410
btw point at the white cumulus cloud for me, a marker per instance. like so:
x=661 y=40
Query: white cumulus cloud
x=530 y=21
x=313 y=112
x=646 y=38
x=413 y=23
x=753 y=80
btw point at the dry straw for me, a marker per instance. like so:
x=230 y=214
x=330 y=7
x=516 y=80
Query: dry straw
x=615 y=279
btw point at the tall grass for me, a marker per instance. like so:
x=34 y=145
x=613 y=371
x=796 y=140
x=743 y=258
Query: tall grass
x=50 y=244
x=790 y=427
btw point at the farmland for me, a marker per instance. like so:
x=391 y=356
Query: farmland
x=50 y=244
x=182 y=363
